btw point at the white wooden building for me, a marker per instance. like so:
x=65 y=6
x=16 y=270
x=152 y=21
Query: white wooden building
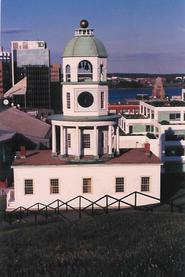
x=86 y=158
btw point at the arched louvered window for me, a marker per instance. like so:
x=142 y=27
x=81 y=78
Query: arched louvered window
x=101 y=72
x=85 y=71
x=68 y=73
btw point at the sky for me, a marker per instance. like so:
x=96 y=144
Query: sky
x=139 y=35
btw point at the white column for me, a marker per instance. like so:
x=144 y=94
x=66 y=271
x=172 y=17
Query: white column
x=65 y=140
x=110 y=140
x=54 y=150
x=96 y=142
x=61 y=140
x=117 y=140
x=78 y=142
x=182 y=116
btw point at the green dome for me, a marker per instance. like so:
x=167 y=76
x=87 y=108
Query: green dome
x=85 y=46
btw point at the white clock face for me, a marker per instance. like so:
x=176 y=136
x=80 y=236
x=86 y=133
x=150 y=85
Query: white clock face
x=85 y=99
x=5 y=102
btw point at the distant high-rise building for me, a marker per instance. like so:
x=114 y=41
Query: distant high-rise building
x=55 y=77
x=5 y=71
x=158 y=89
x=31 y=59
x=55 y=72
x=38 y=87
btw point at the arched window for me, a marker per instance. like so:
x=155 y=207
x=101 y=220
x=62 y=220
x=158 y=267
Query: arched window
x=101 y=72
x=68 y=73
x=85 y=71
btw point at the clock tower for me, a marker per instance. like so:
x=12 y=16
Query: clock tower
x=85 y=128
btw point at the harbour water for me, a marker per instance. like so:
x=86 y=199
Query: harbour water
x=119 y=95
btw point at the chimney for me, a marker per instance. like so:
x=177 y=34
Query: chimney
x=23 y=152
x=147 y=149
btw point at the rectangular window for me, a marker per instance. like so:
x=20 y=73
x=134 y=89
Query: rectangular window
x=174 y=116
x=145 y=183
x=87 y=185
x=15 y=45
x=68 y=98
x=69 y=140
x=147 y=128
x=102 y=100
x=54 y=186
x=119 y=184
x=28 y=186
x=86 y=141
x=130 y=129
x=145 y=111
x=25 y=45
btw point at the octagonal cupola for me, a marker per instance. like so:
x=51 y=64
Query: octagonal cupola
x=84 y=43
x=84 y=53
x=85 y=91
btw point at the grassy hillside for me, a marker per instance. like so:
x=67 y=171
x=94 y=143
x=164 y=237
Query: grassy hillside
x=121 y=244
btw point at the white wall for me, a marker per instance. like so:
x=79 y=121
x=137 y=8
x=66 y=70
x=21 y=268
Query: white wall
x=154 y=146
x=77 y=110
x=70 y=179
x=139 y=141
x=150 y=108
x=132 y=141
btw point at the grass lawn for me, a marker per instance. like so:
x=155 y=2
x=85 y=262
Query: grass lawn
x=120 y=244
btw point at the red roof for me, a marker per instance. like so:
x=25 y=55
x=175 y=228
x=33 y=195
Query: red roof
x=136 y=155
x=123 y=107
x=43 y=157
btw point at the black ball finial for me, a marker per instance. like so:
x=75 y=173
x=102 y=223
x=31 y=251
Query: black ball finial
x=84 y=23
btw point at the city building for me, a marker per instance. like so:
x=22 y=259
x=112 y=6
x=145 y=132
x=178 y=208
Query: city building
x=158 y=89
x=86 y=158
x=55 y=72
x=56 y=88
x=183 y=94
x=5 y=71
x=160 y=123
x=31 y=59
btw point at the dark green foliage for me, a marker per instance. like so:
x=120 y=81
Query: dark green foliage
x=121 y=244
x=2 y=203
x=171 y=183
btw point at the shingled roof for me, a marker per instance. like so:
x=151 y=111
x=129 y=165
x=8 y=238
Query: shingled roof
x=6 y=135
x=134 y=156
x=14 y=120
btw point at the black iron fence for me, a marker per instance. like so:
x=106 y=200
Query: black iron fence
x=60 y=209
